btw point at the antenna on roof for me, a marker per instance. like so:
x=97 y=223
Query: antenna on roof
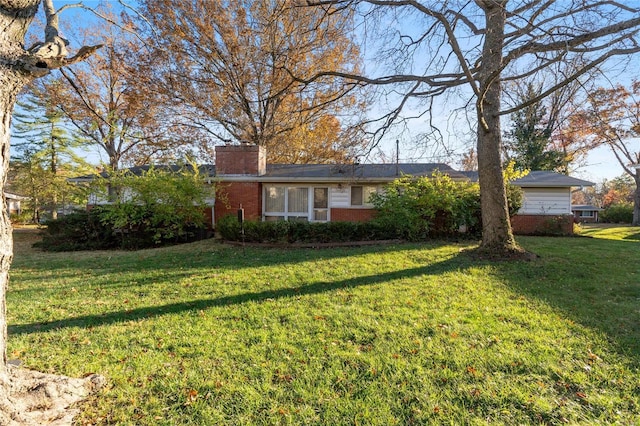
x=397 y=157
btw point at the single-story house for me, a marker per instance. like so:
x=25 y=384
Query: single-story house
x=341 y=192
x=585 y=213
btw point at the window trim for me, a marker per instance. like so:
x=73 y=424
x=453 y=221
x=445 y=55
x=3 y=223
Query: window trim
x=367 y=190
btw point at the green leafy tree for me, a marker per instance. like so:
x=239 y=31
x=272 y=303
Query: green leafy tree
x=528 y=143
x=163 y=204
x=45 y=153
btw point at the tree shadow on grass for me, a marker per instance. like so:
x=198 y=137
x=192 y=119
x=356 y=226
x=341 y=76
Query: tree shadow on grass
x=202 y=254
x=633 y=237
x=595 y=283
x=451 y=264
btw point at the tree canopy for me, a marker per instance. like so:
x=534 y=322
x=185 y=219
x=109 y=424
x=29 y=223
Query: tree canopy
x=473 y=48
x=612 y=118
x=224 y=67
x=104 y=101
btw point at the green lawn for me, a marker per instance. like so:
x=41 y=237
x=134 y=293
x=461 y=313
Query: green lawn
x=206 y=334
x=611 y=232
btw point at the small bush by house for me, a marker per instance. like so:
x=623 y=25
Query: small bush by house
x=157 y=208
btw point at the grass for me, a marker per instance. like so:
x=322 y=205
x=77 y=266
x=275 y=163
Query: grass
x=611 y=231
x=394 y=335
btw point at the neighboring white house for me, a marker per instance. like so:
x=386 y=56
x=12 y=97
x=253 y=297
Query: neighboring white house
x=13 y=202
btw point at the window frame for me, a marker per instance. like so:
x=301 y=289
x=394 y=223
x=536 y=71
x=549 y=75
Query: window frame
x=309 y=215
x=365 y=195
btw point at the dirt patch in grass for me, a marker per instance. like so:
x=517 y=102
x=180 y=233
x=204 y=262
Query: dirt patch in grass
x=24 y=238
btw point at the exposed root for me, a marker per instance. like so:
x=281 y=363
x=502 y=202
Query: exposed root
x=501 y=253
x=44 y=399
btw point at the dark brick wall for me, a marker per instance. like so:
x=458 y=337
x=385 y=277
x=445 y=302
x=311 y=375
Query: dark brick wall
x=352 y=215
x=542 y=224
x=231 y=195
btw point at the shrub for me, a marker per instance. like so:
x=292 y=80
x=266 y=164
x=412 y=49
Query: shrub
x=558 y=225
x=418 y=208
x=159 y=207
x=618 y=213
x=301 y=232
x=80 y=230
x=21 y=218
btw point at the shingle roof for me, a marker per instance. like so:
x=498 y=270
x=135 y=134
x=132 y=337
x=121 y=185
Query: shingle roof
x=371 y=172
x=540 y=178
x=207 y=170
x=585 y=207
x=351 y=171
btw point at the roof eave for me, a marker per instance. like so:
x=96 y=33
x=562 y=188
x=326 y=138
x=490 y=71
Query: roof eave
x=311 y=179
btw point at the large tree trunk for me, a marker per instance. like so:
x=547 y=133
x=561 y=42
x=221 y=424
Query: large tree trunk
x=14 y=21
x=7 y=97
x=636 y=200
x=26 y=397
x=497 y=236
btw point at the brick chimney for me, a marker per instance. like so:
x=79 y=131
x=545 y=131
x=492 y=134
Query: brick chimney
x=241 y=160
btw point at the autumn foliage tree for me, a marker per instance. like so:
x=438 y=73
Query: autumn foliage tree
x=225 y=66
x=104 y=101
x=612 y=118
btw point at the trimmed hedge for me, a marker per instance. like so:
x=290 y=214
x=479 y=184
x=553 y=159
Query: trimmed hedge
x=303 y=232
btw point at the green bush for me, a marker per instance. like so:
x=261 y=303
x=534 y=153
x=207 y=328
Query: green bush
x=160 y=207
x=558 y=225
x=21 y=218
x=417 y=208
x=437 y=206
x=617 y=213
x=80 y=230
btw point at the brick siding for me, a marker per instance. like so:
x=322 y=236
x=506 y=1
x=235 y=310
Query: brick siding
x=352 y=215
x=233 y=194
x=542 y=224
